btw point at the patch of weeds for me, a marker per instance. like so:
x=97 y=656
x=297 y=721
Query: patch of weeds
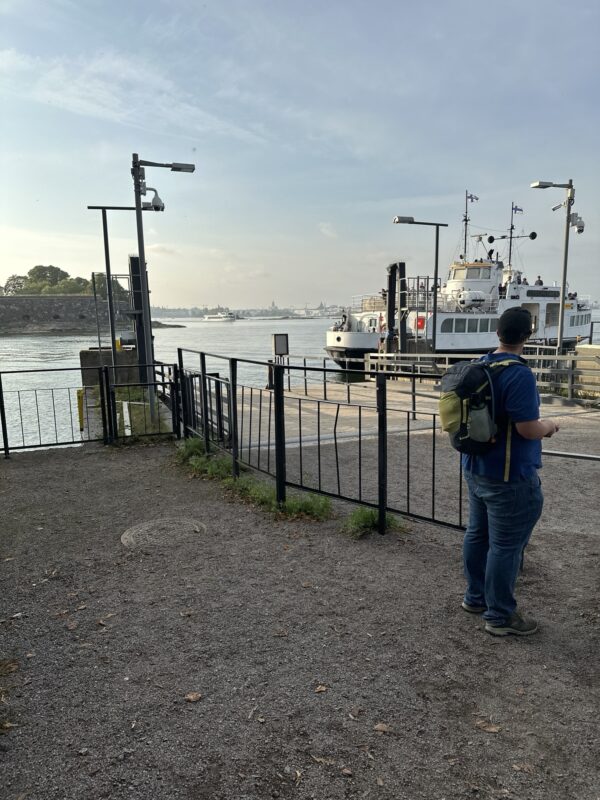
x=189 y=448
x=307 y=505
x=218 y=467
x=260 y=494
x=252 y=491
x=363 y=521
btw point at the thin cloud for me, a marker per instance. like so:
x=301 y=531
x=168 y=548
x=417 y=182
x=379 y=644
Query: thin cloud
x=113 y=87
x=328 y=230
x=163 y=249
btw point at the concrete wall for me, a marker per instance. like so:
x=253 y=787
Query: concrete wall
x=127 y=369
x=35 y=314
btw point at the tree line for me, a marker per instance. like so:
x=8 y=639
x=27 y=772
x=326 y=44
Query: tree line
x=46 y=280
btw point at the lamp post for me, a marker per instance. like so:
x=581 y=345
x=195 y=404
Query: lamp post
x=139 y=188
x=437 y=226
x=109 y=293
x=571 y=219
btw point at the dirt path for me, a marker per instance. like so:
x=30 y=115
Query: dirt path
x=255 y=614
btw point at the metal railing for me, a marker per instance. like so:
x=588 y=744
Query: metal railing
x=62 y=406
x=365 y=452
x=307 y=434
x=376 y=444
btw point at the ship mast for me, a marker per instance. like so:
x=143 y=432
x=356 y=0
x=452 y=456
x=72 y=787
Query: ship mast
x=468 y=198
x=514 y=209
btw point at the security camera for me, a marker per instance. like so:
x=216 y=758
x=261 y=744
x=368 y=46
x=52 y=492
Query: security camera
x=577 y=222
x=156 y=204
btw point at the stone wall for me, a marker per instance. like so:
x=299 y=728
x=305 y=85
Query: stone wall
x=37 y=314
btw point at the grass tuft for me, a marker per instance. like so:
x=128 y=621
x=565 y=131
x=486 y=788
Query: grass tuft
x=363 y=521
x=260 y=494
x=257 y=492
x=189 y=448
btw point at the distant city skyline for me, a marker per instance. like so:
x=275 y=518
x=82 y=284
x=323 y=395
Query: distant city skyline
x=311 y=127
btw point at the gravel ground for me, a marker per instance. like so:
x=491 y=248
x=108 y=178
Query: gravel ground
x=315 y=666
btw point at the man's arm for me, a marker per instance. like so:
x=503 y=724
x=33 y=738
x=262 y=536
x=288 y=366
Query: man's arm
x=537 y=428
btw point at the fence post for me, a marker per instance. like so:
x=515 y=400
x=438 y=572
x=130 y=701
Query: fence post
x=279 y=413
x=381 y=450
x=414 y=391
x=571 y=378
x=111 y=412
x=3 y=420
x=325 y=378
x=182 y=383
x=102 y=394
x=174 y=405
x=233 y=422
x=204 y=400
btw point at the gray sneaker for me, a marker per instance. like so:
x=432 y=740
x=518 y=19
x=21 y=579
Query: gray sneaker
x=472 y=609
x=516 y=625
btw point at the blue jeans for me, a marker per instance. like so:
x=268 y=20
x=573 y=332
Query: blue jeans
x=501 y=519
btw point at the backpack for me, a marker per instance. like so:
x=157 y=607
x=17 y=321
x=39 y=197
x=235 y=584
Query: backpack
x=467 y=406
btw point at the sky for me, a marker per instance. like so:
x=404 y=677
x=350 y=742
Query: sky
x=311 y=126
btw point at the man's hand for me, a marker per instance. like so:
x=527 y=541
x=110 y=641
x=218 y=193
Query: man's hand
x=555 y=428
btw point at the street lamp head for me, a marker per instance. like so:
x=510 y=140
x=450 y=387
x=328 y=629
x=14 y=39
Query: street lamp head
x=404 y=220
x=541 y=185
x=175 y=167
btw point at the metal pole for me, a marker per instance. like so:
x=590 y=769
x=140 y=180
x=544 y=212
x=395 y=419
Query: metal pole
x=183 y=393
x=391 y=307
x=109 y=296
x=435 y=287
x=233 y=426
x=204 y=401
x=137 y=173
x=381 y=451
x=3 y=421
x=563 y=285
x=279 y=413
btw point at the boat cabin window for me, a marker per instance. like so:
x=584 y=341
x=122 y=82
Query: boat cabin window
x=459 y=274
x=580 y=319
x=373 y=322
x=469 y=324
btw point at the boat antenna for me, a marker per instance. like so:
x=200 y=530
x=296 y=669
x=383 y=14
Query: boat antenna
x=469 y=198
x=514 y=209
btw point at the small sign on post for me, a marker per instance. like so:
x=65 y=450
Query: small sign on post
x=280 y=344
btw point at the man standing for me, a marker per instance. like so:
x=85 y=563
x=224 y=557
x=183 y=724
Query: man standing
x=504 y=488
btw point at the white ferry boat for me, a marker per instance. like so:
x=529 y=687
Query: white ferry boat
x=468 y=306
x=222 y=316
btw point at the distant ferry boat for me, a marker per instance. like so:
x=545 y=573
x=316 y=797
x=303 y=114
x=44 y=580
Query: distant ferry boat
x=220 y=317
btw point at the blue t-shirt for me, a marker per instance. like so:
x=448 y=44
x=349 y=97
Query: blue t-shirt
x=517 y=400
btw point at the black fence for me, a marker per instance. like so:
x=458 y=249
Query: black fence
x=325 y=431
x=373 y=442
x=65 y=406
